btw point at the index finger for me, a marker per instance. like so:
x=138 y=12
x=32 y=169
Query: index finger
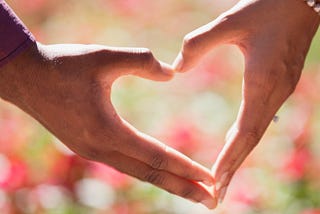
x=199 y=42
x=172 y=183
x=148 y=159
x=162 y=157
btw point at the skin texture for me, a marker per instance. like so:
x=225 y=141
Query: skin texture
x=67 y=89
x=274 y=37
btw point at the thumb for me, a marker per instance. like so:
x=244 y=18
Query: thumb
x=114 y=61
x=265 y=89
x=141 y=62
x=202 y=40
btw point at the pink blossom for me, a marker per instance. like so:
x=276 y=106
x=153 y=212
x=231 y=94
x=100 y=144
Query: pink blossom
x=67 y=169
x=311 y=211
x=296 y=164
x=11 y=134
x=213 y=70
x=109 y=175
x=17 y=175
x=243 y=191
x=245 y=198
x=183 y=136
x=130 y=7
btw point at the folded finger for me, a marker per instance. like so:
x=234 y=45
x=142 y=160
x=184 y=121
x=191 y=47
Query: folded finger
x=139 y=62
x=160 y=156
x=170 y=182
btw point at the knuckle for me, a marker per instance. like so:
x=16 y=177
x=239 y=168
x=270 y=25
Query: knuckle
x=292 y=73
x=96 y=152
x=146 y=57
x=146 y=53
x=261 y=81
x=251 y=137
x=232 y=161
x=293 y=81
x=189 y=43
x=89 y=153
x=159 y=162
x=291 y=86
x=155 y=177
x=187 y=192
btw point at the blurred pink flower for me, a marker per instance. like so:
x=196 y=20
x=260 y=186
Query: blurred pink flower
x=244 y=197
x=307 y=88
x=243 y=192
x=12 y=133
x=109 y=175
x=129 y=7
x=121 y=209
x=183 y=136
x=213 y=70
x=17 y=175
x=311 y=211
x=296 y=164
x=67 y=169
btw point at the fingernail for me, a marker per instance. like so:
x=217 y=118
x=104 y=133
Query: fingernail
x=178 y=62
x=210 y=203
x=222 y=194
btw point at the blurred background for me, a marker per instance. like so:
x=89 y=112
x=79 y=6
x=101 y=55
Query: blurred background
x=192 y=113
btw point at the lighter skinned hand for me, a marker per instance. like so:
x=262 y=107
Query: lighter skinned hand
x=274 y=37
x=67 y=89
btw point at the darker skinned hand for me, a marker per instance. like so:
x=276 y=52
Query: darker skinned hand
x=67 y=89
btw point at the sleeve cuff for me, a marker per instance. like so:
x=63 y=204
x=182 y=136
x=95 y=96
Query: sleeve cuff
x=14 y=35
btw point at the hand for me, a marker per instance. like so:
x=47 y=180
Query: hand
x=67 y=89
x=274 y=37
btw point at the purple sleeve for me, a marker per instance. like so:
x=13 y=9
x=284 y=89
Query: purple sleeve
x=14 y=36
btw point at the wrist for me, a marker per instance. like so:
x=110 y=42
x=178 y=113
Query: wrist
x=18 y=75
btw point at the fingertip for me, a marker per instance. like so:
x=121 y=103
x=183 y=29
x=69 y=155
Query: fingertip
x=206 y=176
x=222 y=195
x=185 y=62
x=210 y=203
x=159 y=72
x=167 y=69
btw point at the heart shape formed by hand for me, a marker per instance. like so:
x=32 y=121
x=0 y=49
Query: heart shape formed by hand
x=76 y=81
